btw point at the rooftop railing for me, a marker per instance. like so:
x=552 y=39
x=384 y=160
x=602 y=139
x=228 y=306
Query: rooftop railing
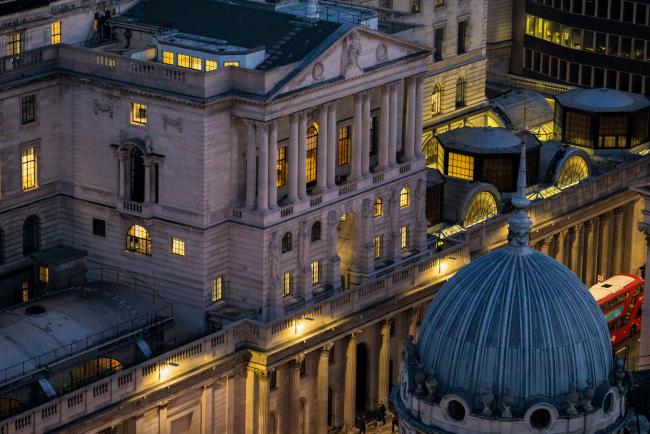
x=514 y=81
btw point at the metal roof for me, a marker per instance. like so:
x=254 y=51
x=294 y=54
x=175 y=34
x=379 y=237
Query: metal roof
x=485 y=140
x=522 y=109
x=603 y=100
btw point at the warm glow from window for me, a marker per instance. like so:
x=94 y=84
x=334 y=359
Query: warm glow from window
x=281 y=167
x=231 y=63
x=315 y=272
x=191 y=62
x=28 y=163
x=312 y=148
x=138 y=113
x=217 y=289
x=343 y=156
x=378 y=208
x=168 y=57
x=404 y=198
x=178 y=246
x=138 y=240
x=287 y=284
x=210 y=65
x=377 y=241
x=13 y=46
x=404 y=235
x=574 y=170
x=43 y=274
x=56 y=32
x=25 y=292
x=460 y=166
x=482 y=207
x=436 y=100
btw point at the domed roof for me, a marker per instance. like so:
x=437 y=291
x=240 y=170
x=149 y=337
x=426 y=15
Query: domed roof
x=603 y=100
x=485 y=140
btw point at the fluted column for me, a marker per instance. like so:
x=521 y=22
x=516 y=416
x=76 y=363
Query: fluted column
x=409 y=136
x=251 y=164
x=392 y=125
x=263 y=163
x=590 y=253
x=365 y=135
x=302 y=156
x=332 y=135
x=384 y=364
x=273 y=165
x=293 y=157
x=356 y=137
x=618 y=245
x=419 y=100
x=605 y=249
x=561 y=247
x=294 y=395
x=384 y=129
x=575 y=249
x=122 y=159
x=350 y=390
x=263 y=402
x=321 y=156
x=322 y=382
x=546 y=246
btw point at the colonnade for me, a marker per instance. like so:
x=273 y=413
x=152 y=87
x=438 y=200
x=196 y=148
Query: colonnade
x=262 y=144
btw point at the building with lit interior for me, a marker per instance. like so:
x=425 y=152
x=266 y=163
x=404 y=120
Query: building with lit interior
x=254 y=213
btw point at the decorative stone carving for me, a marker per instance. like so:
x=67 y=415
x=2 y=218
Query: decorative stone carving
x=317 y=71
x=104 y=108
x=487 y=398
x=274 y=258
x=588 y=394
x=174 y=123
x=382 y=52
x=507 y=400
x=350 y=53
x=572 y=399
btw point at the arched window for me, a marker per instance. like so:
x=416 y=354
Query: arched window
x=404 y=197
x=436 y=100
x=287 y=242
x=137 y=175
x=378 y=208
x=482 y=207
x=31 y=235
x=312 y=150
x=460 y=92
x=138 y=240
x=574 y=170
x=315 y=232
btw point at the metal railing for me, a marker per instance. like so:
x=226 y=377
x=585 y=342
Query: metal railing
x=515 y=81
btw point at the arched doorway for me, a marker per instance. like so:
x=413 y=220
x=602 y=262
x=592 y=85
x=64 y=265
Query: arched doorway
x=362 y=378
x=330 y=407
x=347 y=246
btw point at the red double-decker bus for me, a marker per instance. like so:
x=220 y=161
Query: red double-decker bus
x=620 y=298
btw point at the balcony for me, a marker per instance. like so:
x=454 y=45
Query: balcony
x=138 y=209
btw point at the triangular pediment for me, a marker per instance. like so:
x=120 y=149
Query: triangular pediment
x=357 y=51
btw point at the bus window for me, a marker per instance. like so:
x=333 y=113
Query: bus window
x=620 y=298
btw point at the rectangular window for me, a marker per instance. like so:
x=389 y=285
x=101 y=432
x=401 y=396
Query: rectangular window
x=138 y=113
x=56 y=32
x=168 y=57
x=287 y=284
x=639 y=49
x=281 y=167
x=343 y=157
x=377 y=242
x=602 y=8
x=14 y=43
x=99 y=227
x=404 y=236
x=315 y=272
x=374 y=135
x=217 y=289
x=25 y=292
x=28 y=163
x=612 y=131
x=438 y=40
x=27 y=109
x=231 y=63
x=460 y=166
x=628 y=12
x=578 y=128
x=601 y=43
x=183 y=60
x=178 y=246
x=640 y=17
x=191 y=62
x=462 y=35
x=43 y=274
x=196 y=63
x=210 y=65
x=588 y=40
x=626 y=47
x=615 y=9
x=312 y=149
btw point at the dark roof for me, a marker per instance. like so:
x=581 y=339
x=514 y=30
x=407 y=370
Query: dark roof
x=287 y=38
x=486 y=140
x=13 y=6
x=603 y=100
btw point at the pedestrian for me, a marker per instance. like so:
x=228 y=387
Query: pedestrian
x=381 y=413
x=362 y=425
x=395 y=422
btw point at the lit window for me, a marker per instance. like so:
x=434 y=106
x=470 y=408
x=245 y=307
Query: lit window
x=343 y=146
x=404 y=197
x=312 y=149
x=27 y=109
x=572 y=172
x=210 y=65
x=231 y=63
x=217 y=289
x=28 y=163
x=191 y=62
x=138 y=113
x=287 y=242
x=287 y=284
x=378 y=208
x=196 y=63
x=460 y=166
x=25 y=292
x=43 y=274
x=404 y=235
x=377 y=242
x=441 y=158
x=56 y=32
x=168 y=57
x=315 y=272
x=178 y=246
x=138 y=240
x=183 y=60
x=13 y=45
x=482 y=207
x=281 y=167
x=436 y=100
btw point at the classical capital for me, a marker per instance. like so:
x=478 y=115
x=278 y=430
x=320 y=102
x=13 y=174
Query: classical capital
x=385 y=327
x=619 y=211
x=325 y=349
x=355 y=335
x=547 y=242
x=298 y=360
x=263 y=374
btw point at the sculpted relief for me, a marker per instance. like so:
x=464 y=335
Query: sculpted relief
x=350 y=55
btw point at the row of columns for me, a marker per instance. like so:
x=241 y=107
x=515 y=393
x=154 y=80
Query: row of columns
x=262 y=141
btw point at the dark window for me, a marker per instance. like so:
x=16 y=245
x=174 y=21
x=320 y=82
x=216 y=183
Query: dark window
x=557 y=4
x=2 y=246
x=574 y=68
x=528 y=59
x=137 y=175
x=624 y=81
x=602 y=9
x=537 y=60
x=540 y=418
x=626 y=47
x=588 y=40
x=601 y=43
x=615 y=10
x=577 y=6
x=599 y=77
x=499 y=172
x=611 y=79
x=287 y=242
x=434 y=205
x=637 y=83
x=99 y=227
x=544 y=64
x=462 y=35
x=273 y=378
x=566 y=5
x=303 y=367
x=554 y=67
x=456 y=410
x=438 y=40
x=460 y=92
x=374 y=135
x=628 y=12
x=641 y=127
x=590 y=7
x=586 y=75
x=640 y=14
x=28 y=109
x=612 y=45
x=532 y=165
x=315 y=231
x=31 y=235
x=562 y=70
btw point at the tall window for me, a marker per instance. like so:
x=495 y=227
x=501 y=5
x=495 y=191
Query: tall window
x=404 y=237
x=14 y=44
x=287 y=284
x=344 y=146
x=167 y=57
x=138 y=240
x=27 y=109
x=374 y=135
x=436 y=100
x=315 y=231
x=28 y=168
x=138 y=113
x=312 y=147
x=281 y=167
x=56 y=32
x=217 y=289
x=377 y=242
x=31 y=235
x=210 y=65
x=460 y=92
x=460 y=166
x=178 y=246
x=287 y=242
x=404 y=197
x=378 y=208
x=438 y=41
x=137 y=175
x=462 y=37
x=43 y=274
x=315 y=272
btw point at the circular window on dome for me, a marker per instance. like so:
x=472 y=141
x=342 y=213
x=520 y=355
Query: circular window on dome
x=574 y=170
x=540 y=418
x=482 y=207
x=456 y=410
x=608 y=403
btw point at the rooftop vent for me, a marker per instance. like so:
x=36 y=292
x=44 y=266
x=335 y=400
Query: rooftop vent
x=35 y=310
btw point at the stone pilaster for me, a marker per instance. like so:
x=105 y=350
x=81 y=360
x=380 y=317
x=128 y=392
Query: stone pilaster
x=263 y=401
x=384 y=130
x=349 y=394
x=322 y=151
x=619 y=240
x=392 y=125
x=365 y=135
x=576 y=243
x=419 y=100
x=409 y=135
x=273 y=165
x=294 y=395
x=605 y=248
x=251 y=164
x=262 y=130
x=357 y=135
x=293 y=158
x=590 y=253
x=384 y=364
x=322 y=383
x=332 y=136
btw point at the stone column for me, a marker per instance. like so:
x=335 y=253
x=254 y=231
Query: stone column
x=294 y=395
x=350 y=389
x=122 y=157
x=561 y=255
x=419 y=100
x=393 y=125
x=384 y=130
x=206 y=409
x=263 y=163
x=413 y=323
x=332 y=135
x=321 y=157
x=575 y=249
x=322 y=383
x=409 y=135
x=365 y=135
x=546 y=246
x=384 y=364
x=273 y=165
x=147 y=180
x=605 y=249
x=293 y=158
x=356 y=137
x=162 y=419
x=251 y=164
x=302 y=156
x=263 y=402
x=590 y=253
x=619 y=240
x=249 y=400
